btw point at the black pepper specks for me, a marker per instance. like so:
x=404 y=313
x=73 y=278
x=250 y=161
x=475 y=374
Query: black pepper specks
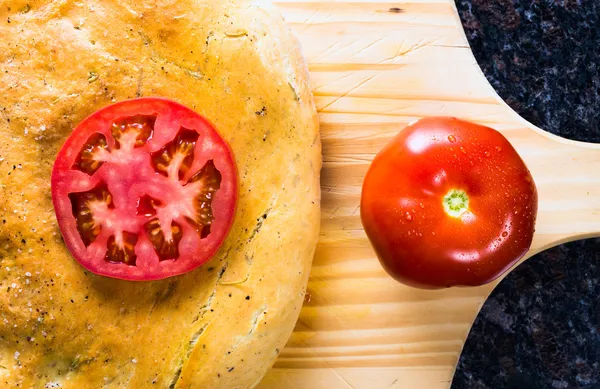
x=259 y=223
x=247 y=297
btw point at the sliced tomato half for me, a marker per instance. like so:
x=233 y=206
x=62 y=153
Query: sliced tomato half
x=144 y=189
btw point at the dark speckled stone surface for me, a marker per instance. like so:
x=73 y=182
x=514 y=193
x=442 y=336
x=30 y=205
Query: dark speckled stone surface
x=543 y=58
x=540 y=328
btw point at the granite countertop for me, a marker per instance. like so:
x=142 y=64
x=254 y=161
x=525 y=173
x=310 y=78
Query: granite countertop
x=540 y=328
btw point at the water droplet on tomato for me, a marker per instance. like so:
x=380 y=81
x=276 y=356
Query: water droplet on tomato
x=504 y=234
x=462 y=150
x=408 y=216
x=451 y=138
x=421 y=205
x=487 y=153
x=498 y=148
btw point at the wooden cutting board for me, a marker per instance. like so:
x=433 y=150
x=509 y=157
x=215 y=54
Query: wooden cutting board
x=375 y=67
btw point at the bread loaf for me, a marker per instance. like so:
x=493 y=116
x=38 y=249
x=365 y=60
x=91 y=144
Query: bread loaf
x=221 y=325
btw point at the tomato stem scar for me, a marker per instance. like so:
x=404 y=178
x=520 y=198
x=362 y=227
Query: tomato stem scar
x=456 y=202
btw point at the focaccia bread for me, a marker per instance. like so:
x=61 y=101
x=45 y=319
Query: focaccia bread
x=221 y=325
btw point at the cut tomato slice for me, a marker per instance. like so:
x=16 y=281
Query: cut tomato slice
x=144 y=189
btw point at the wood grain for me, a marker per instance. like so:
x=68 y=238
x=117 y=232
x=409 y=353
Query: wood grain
x=375 y=67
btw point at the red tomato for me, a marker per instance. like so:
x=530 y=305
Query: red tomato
x=448 y=202
x=144 y=189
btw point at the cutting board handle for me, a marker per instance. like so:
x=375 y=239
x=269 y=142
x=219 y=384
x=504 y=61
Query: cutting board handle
x=567 y=175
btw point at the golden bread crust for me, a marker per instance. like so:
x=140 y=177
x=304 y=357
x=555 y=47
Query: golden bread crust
x=220 y=326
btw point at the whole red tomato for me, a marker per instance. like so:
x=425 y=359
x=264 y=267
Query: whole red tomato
x=448 y=202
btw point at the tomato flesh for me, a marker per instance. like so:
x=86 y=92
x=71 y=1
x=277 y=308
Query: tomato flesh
x=447 y=203
x=144 y=189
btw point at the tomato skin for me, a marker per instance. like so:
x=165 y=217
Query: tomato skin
x=127 y=179
x=402 y=210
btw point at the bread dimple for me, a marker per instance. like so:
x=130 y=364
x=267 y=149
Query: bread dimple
x=221 y=325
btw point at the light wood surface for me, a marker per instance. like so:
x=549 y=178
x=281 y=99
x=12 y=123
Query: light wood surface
x=375 y=67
